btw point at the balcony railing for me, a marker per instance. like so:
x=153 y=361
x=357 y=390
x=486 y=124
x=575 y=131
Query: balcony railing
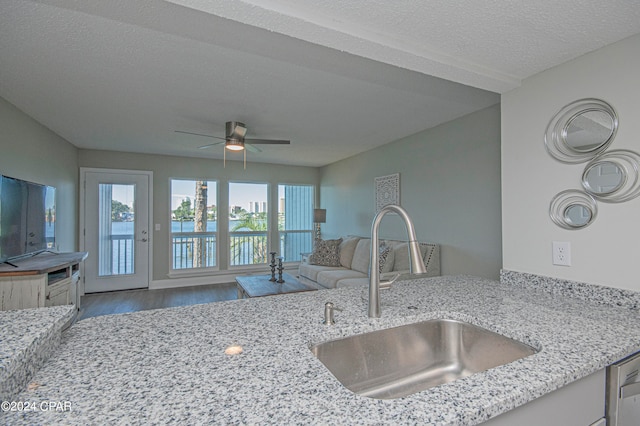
x=193 y=249
x=121 y=262
x=198 y=249
x=248 y=248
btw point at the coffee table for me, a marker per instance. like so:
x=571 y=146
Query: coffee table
x=259 y=285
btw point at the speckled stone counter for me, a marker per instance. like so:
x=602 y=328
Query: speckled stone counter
x=28 y=337
x=168 y=366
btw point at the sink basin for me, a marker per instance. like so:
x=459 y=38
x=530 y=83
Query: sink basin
x=400 y=361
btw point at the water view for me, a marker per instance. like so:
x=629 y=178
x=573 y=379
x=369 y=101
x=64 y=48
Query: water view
x=126 y=228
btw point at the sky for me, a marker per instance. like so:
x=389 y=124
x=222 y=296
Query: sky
x=240 y=194
x=123 y=193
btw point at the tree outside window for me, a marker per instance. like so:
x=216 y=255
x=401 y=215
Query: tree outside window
x=193 y=223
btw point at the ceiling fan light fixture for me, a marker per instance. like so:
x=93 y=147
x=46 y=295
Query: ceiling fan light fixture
x=234 y=140
x=234 y=145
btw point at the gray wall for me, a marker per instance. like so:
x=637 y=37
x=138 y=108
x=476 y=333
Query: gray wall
x=165 y=168
x=605 y=252
x=450 y=185
x=32 y=152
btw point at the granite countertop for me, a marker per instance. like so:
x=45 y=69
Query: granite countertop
x=169 y=366
x=28 y=337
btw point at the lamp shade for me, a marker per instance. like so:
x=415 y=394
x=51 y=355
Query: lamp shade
x=320 y=215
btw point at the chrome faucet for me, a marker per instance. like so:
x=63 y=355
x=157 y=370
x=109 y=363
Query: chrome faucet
x=416 y=264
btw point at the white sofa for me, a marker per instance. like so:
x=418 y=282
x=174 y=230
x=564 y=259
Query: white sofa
x=353 y=269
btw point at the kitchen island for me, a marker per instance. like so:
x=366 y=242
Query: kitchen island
x=169 y=365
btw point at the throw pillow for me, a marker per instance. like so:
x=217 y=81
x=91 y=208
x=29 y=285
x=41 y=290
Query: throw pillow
x=347 y=248
x=386 y=259
x=402 y=256
x=361 y=256
x=326 y=253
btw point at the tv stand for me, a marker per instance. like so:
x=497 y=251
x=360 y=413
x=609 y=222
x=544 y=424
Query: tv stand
x=10 y=263
x=44 y=251
x=39 y=281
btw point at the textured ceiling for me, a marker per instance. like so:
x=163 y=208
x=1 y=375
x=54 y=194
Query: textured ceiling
x=337 y=78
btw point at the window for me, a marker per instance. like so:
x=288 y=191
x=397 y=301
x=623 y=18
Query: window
x=252 y=232
x=248 y=223
x=117 y=229
x=295 y=220
x=194 y=217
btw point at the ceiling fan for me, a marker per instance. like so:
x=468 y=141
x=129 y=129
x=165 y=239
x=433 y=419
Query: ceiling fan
x=235 y=140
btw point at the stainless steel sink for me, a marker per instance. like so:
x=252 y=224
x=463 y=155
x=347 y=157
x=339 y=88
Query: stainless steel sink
x=399 y=361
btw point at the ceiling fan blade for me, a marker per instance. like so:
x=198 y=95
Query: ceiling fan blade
x=210 y=145
x=198 y=134
x=268 y=141
x=251 y=148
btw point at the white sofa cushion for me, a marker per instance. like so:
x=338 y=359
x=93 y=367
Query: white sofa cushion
x=353 y=282
x=347 y=248
x=329 y=279
x=311 y=271
x=360 y=261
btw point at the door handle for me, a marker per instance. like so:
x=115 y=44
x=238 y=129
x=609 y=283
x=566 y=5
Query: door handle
x=632 y=389
x=144 y=240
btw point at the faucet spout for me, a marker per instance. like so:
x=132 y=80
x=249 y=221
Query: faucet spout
x=416 y=264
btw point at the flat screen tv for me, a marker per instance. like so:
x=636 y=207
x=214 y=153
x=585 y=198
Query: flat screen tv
x=27 y=218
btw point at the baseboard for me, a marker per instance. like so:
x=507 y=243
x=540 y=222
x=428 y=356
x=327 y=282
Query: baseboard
x=193 y=281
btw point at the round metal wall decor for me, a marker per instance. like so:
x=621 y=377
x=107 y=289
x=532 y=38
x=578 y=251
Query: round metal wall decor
x=613 y=177
x=573 y=209
x=581 y=130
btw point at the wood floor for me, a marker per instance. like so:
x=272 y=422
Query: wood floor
x=118 y=302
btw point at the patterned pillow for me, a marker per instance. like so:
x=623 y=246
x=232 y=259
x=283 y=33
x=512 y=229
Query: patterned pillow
x=386 y=258
x=326 y=253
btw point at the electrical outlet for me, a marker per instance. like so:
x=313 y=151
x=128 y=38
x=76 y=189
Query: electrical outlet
x=562 y=253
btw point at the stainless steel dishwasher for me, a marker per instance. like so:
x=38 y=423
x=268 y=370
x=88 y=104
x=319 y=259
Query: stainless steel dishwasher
x=623 y=392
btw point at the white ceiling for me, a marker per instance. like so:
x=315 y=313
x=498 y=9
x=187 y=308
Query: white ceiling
x=335 y=77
